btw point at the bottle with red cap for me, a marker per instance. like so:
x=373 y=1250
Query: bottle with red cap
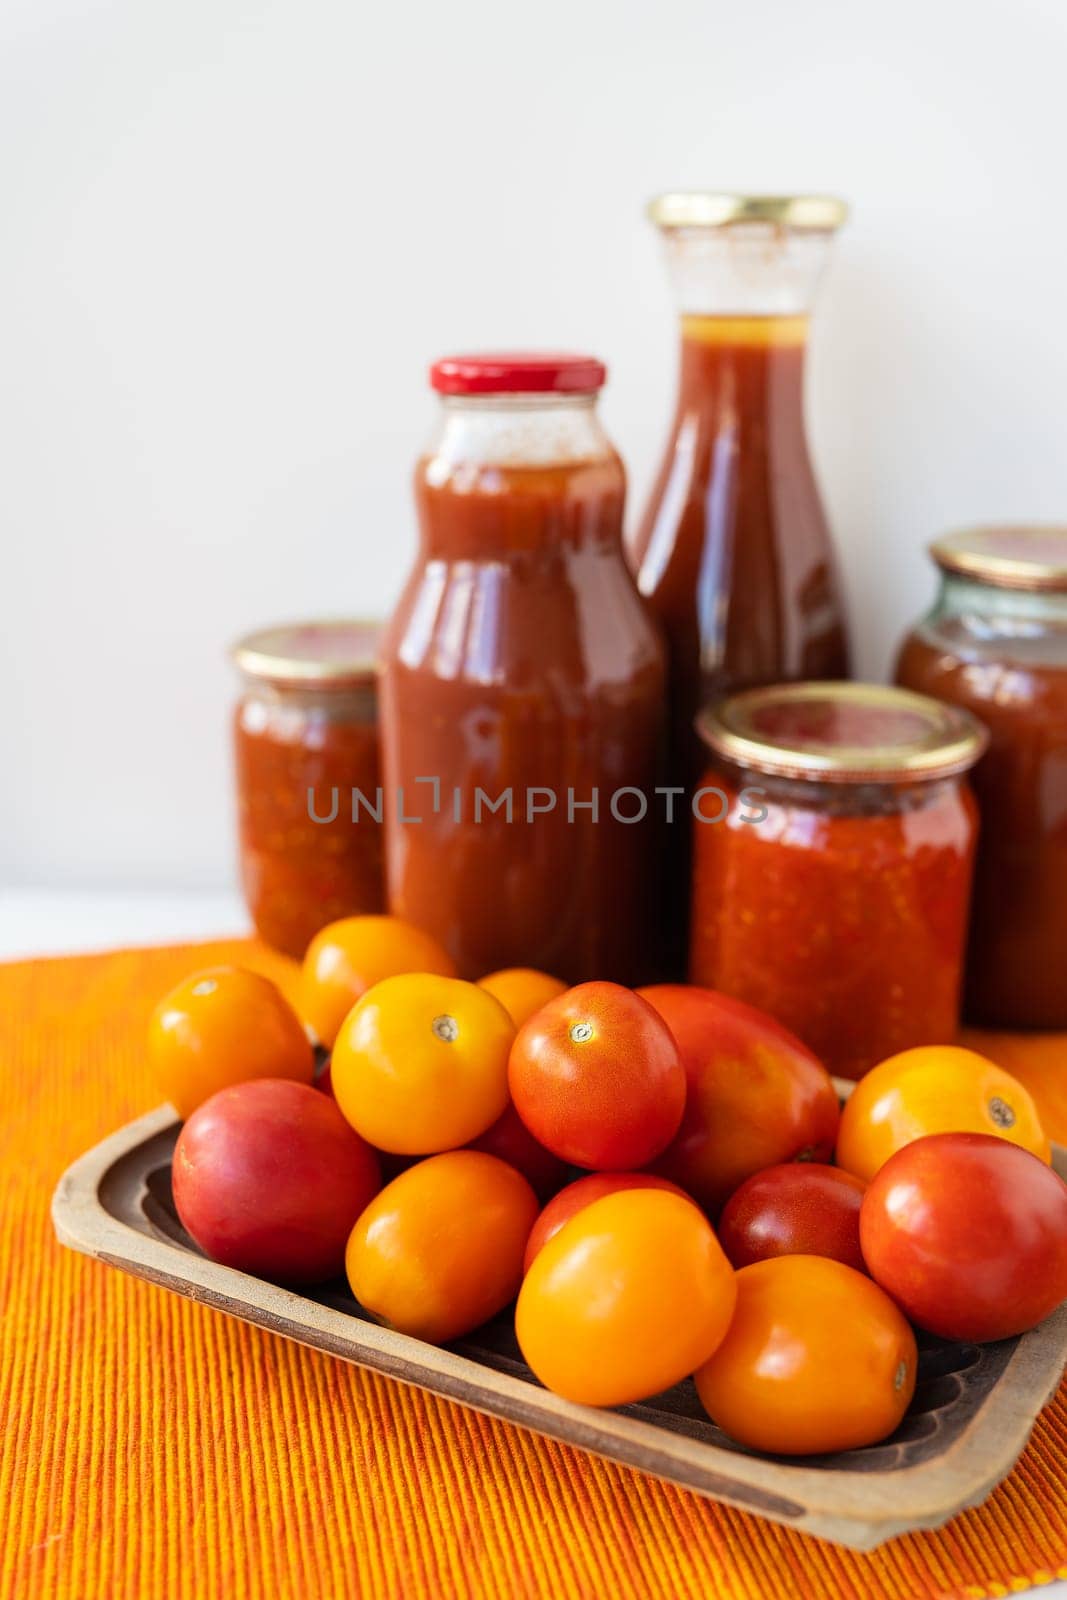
x=522 y=686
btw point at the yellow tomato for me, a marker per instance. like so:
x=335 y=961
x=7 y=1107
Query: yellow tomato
x=522 y=990
x=933 y=1089
x=629 y=1297
x=222 y=1026
x=421 y=1063
x=349 y=957
x=439 y=1250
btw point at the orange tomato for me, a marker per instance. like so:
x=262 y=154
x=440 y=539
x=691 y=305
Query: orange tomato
x=439 y=1250
x=349 y=957
x=933 y=1089
x=522 y=990
x=817 y=1358
x=421 y=1064
x=221 y=1026
x=628 y=1298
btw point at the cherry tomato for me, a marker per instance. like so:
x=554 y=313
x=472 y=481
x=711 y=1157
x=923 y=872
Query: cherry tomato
x=421 y=1063
x=439 y=1251
x=221 y=1026
x=799 y=1209
x=576 y=1196
x=756 y=1095
x=269 y=1178
x=511 y=1140
x=817 y=1358
x=934 y=1089
x=596 y=1077
x=968 y=1233
x=627 y=1299
x=349 y=957
x=522 y=991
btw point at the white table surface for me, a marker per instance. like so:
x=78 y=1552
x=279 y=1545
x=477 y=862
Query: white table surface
x=44 y=922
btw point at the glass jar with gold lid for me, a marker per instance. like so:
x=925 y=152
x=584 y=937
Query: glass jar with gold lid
x=309 y=812
x=834 y=845
x=995 y=642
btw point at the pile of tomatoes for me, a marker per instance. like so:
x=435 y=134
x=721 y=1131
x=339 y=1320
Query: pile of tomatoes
x=707 y=1233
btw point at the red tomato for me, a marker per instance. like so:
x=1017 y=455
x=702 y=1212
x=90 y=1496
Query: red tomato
x=799 y=1209
x=968 y=1233
x=596 y=1077
x=756 y=1095
x=269 y=1178
x=511 y=1140
x=576 y=1196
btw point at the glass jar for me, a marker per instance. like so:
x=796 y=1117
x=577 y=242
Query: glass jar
x=734 y=551
x=996 y=643
x=833 y=893
x=522 y=685
x=306 y=760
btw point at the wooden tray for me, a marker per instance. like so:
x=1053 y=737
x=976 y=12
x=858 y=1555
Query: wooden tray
x=973 y=1410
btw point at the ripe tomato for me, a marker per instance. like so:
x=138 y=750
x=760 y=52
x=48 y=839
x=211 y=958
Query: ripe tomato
x=576 y=1196
x=348 y=957
x=595 y=1076
x=421 y=1063
x=934 y=1089
x=269 y=1178
x=799 y=1209
x=221 y=1026
x=968 y=1233
x=756 y=1095
x=626 y=1300
x=511 y=1140
x=522 y=991
x=439 y=1251
x=817 y=1358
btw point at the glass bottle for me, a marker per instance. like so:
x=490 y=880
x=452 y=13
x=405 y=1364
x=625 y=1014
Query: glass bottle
x=733 y=551
x=523 y=685
x=995 y=642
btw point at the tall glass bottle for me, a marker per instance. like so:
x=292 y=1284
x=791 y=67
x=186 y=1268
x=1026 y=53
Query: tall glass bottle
x=734 y=552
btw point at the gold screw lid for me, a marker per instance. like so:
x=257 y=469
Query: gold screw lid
x=338 y=653
x=842 y=733
x=1008 y=556
x=816 y=213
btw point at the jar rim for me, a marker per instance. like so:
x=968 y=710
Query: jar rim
x=842 y=733
x=814 y=213
x=337 y=652
x=1009 y=555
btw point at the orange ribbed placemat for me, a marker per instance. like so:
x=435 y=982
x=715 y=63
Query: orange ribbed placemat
x=151 y=1447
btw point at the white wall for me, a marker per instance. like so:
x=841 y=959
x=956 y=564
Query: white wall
x=233 y=235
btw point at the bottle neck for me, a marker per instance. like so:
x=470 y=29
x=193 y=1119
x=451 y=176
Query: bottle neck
x=746 y=362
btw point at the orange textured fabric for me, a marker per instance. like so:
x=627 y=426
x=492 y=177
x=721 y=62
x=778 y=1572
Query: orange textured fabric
x=152 y=1447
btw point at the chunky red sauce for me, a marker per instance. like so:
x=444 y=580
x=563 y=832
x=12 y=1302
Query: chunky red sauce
x=521 y=659
x=298 y=873
x=1017 y=960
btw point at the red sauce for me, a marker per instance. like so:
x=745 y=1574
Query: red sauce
x=520 y=657
x=842 y=910
x=1017 y=686
x=734 y=552
x=299 y=873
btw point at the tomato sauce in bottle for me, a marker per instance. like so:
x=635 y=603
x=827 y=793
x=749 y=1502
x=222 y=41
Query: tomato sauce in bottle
x=996 y=643
x=523 y=685
x=733 y=551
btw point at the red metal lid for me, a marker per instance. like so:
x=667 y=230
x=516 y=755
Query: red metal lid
x=518 y=372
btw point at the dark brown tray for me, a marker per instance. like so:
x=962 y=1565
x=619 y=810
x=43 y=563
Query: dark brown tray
x=973 y=1410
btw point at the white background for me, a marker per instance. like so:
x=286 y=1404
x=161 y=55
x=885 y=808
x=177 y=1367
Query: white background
x=233 y=235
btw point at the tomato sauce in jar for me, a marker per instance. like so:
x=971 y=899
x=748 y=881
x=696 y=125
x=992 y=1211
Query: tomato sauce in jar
x=834 y=892
x=522 y=685
x=996 y=643
x=305 y=750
